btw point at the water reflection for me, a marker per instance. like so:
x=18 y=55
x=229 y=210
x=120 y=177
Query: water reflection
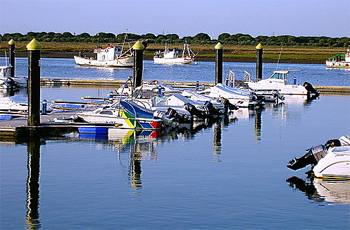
x=332 y=191
x=217 y=141
x=33 y=165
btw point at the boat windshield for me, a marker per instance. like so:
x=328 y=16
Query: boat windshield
x=278 y=75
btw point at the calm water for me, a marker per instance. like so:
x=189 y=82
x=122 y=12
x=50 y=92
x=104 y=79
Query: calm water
x=316 y=74
x=227 y=176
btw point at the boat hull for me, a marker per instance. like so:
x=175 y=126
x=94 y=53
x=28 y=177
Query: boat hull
x=173 y=61
x=125 y=62
x=122 y=121
x=335 y=165
x=338 y=64
x=282 y=89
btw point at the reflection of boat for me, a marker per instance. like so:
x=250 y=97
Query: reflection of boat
x=126 y=113
x=339 y=61
x=278 y=82
x=112 y=56
x=331 y=160
x=334 y=191
x=7 y=82
x=172 y=57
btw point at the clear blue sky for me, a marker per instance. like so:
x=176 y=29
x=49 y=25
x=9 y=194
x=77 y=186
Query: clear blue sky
x=183 y=17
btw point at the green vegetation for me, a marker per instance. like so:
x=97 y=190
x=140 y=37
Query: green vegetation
x=238 y=47
x=201 y=38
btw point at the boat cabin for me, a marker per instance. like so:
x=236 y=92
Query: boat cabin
x=280 y=74
x=108 y=54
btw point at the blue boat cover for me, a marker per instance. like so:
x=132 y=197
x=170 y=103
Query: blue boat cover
x=136 y=110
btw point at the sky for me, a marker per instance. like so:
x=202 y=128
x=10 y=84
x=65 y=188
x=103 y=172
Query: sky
x=182 y=17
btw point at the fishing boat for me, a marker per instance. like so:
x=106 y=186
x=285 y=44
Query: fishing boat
x=329 y=161
x=279 y=82
x=126 y=114
x=7 y=82
x=111 y=56
x=171 y=57
x=339 y=61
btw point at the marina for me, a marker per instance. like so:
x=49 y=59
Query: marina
x=230 y=171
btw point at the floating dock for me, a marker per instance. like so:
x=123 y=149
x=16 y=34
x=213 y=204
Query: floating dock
x=113 y=84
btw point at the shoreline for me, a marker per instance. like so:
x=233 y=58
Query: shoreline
x=70 y=55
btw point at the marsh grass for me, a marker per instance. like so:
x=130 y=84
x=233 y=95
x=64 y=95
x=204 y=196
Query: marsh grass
x=206 y=51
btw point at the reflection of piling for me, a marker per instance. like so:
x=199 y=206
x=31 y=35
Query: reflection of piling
x=258 y=125
x=34 y=48
x=12 y=57
x=138 y=64
x=33 y=165
x=218 y=62
x=217 y=138
x=136 y=169
x=259 y=57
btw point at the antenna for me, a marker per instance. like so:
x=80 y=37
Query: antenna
x=279 y=57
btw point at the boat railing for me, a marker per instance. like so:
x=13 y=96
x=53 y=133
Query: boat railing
x=122 y=92
x=230 y=78
x=247 y=76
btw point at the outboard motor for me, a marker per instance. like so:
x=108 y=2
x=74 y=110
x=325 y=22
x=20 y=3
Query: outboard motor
x=174 y=115
x=228 y=105
x=332 y=143
x=212 y=109
x=311 y=91
x=194 y=111
x=312 y=156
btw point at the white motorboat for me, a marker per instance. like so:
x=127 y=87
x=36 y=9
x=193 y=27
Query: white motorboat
x=218 y=104
x=339 y=61
x=7 y=82
x=330 y=161
x=268 y=96
x=237 y=97
x=335 y=165
x=13 y=105
x=279 y=82
x=112 y=56
x=172 y=57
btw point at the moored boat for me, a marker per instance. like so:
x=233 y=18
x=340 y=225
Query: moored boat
x=7 y=82
x=172 y=57
x=125 y=113
x=13 y=104
x=329 y=161
x=237 y=97
x=112 y=56
x=279 y=82
x=339 y=61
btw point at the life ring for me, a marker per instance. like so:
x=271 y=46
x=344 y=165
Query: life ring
x=106 y=50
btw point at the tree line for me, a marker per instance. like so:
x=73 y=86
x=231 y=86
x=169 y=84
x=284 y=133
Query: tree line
x=201 y=38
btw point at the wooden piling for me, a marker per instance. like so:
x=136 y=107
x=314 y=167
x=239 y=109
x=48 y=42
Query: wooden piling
x=12 y=57
x=34 y=48
x=259 y=57
x=138 y=63
x=219 y=63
